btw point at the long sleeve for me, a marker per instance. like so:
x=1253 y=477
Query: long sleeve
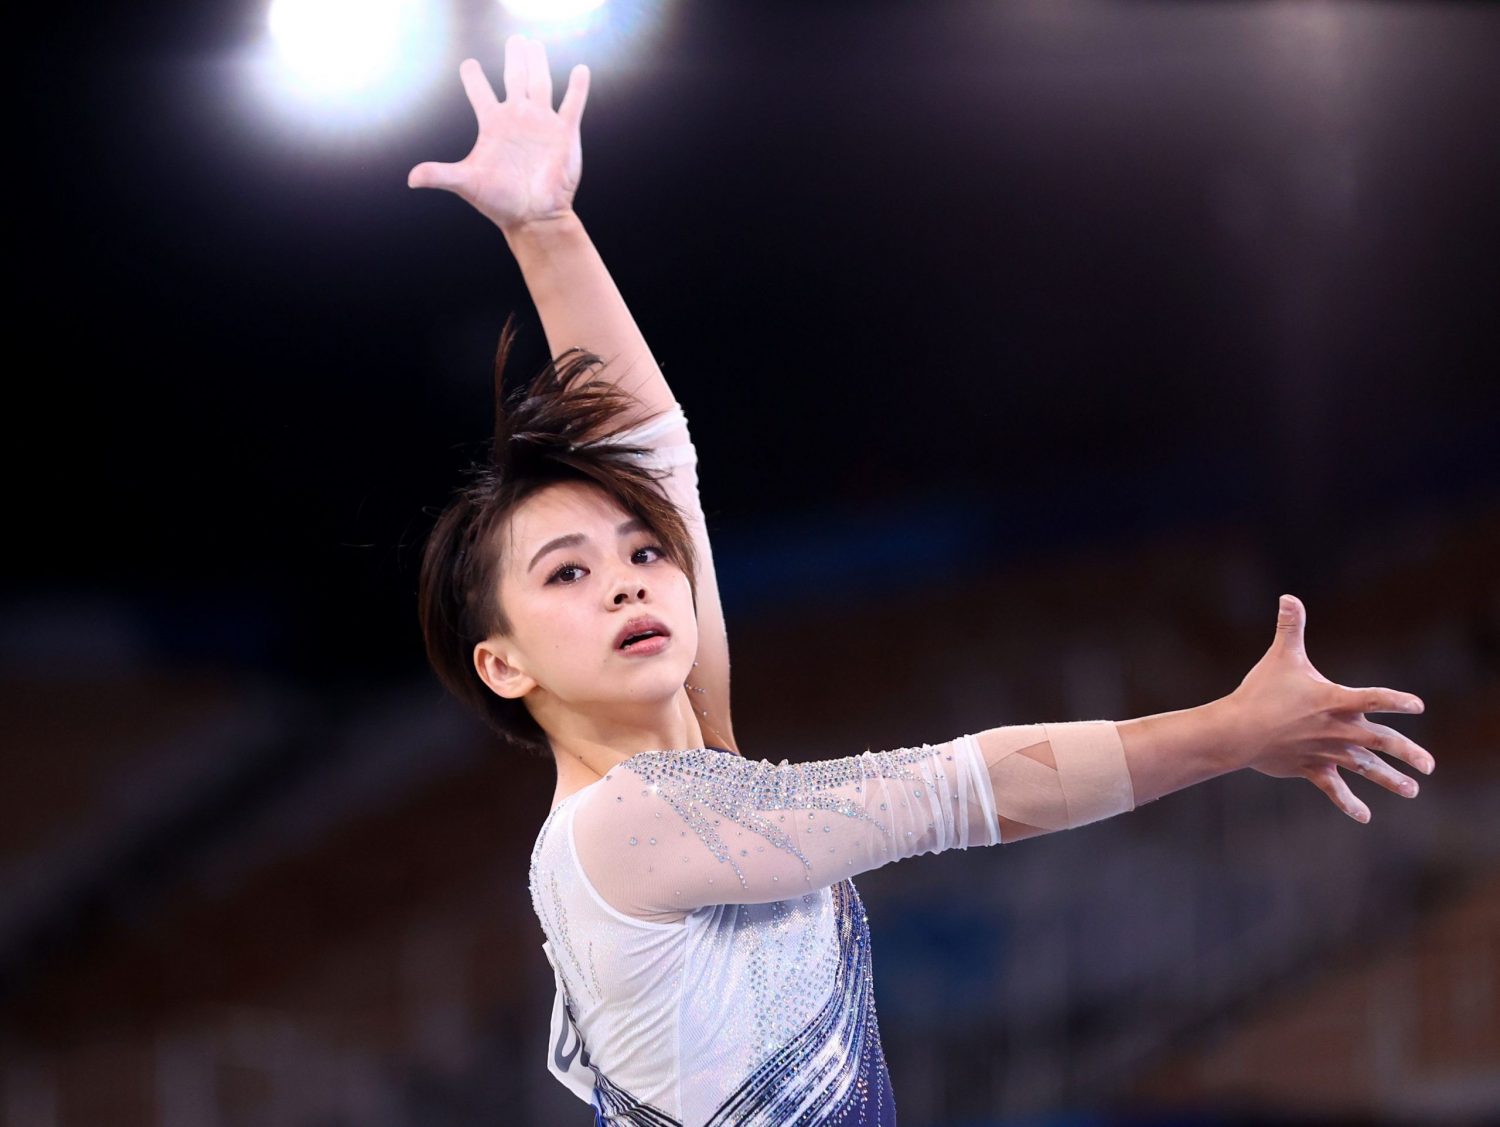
x=671 y=452
x=671 y=448
x=667 y=832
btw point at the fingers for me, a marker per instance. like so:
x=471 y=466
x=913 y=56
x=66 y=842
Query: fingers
x=1386 y=740
x=1377 y=700
x=539 y=75
x=477 y=87
x=574 y=97
x=527 y=78
x=517 y=69
x=431 y=174
x=1354 y=758
x=1328 y=780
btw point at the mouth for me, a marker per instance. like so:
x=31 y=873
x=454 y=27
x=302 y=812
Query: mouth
x=642 y=635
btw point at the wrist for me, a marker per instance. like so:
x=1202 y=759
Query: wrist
x=1172 y=750
x=1223 y=731
x=542 y=230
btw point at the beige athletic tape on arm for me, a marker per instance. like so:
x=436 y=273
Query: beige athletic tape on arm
x=1052 y=777
x=1091 y=764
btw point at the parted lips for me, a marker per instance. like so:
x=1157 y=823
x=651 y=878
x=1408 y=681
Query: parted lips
x=637 y=628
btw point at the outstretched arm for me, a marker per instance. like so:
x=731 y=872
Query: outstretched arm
x=667 y=832
x=522 y=174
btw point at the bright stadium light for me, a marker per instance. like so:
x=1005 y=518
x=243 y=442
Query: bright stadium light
x=550 y=11
x=604 y=30
x=354 y=58
x=558 y=21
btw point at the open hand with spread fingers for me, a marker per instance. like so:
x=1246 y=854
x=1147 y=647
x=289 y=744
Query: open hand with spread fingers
x=527 y=160
x=1295 y=722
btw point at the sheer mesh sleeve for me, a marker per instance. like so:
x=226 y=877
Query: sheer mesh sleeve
x=669 y=831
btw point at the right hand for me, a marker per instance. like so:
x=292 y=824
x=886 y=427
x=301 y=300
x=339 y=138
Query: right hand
x=527 y=161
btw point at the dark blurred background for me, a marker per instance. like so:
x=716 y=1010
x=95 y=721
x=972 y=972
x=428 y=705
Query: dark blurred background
x=1031 y=351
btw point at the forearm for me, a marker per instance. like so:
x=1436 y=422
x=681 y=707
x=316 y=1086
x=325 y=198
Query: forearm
x=581 y=307
x=1048 y=777
x=1173 y=750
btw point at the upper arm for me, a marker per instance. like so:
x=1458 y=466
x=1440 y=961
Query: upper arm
x=667 y=832
x=672 y=450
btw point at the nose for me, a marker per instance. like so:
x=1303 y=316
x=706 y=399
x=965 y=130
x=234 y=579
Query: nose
x=629 y=587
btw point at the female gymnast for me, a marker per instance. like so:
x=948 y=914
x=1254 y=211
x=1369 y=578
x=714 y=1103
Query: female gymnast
x=711 y=955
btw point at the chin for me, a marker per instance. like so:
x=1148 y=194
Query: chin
x=659 y=677
x=665 y=672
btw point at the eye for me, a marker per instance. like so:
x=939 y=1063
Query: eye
x=564 y=573
x=557 y=576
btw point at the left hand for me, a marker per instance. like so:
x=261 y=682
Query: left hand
x=1293 y=722
x=527 y=160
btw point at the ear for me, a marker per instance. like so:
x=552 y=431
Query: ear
x=493 y=659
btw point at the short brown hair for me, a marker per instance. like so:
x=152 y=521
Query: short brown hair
x=560 y=428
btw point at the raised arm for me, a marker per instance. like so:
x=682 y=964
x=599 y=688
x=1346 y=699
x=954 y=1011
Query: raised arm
x=522 y=174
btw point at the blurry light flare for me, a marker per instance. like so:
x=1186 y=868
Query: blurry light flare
x=341 y=46
x=345 y=64
x=618 y=34
x=548 y=11
x=304 y=73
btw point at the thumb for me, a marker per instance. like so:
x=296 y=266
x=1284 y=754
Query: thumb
x=432 y=174
x=1291 y=619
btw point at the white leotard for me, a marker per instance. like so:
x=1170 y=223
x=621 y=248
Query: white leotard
x=711 y=954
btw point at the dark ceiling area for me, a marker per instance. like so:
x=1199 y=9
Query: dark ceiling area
x=894 y=258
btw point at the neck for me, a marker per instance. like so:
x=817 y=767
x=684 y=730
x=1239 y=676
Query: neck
x=586 y=748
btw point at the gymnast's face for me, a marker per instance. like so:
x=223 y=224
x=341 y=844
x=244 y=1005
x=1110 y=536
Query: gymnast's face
x=575 y=570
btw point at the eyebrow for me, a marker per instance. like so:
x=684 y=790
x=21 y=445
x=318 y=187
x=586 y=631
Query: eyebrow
x=574 y=538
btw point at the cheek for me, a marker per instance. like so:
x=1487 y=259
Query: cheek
x=550 y=627
x=569 y=631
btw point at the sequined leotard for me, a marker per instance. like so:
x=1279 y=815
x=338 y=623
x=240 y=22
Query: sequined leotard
x=711 y=954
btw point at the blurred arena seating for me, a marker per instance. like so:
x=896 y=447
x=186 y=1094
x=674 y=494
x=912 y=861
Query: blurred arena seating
x=228 y=900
